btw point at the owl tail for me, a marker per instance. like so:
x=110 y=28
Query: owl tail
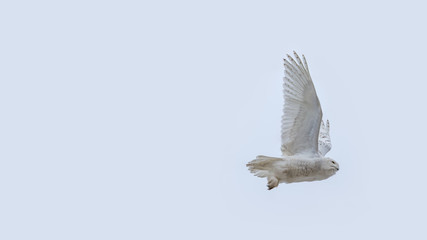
x=262 y=165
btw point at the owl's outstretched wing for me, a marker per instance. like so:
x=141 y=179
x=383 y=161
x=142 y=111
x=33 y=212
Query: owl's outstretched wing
x=324 y=139
x=302 y=113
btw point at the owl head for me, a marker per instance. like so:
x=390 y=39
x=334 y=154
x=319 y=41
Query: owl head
x=330 y=165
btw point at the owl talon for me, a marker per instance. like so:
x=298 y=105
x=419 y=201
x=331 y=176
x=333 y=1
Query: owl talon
x=272 y=182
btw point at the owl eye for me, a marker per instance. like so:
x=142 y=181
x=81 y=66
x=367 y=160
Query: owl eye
x=333 y=162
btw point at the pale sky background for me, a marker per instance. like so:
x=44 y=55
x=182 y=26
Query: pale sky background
x=135 y=119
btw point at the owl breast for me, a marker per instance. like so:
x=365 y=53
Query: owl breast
x=297 y=170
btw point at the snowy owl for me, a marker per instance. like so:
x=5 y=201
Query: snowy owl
x=305 y=138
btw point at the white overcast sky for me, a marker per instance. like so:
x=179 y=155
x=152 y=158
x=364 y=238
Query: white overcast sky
x=135 y=119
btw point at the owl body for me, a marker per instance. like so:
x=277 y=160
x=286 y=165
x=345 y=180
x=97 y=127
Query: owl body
x=293 y=169
x=305 y=137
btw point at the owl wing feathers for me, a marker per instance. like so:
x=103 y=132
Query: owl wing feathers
x=302 y=113
x=324 y=139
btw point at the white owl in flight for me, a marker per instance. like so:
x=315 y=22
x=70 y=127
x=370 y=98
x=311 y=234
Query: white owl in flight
x=305 y=138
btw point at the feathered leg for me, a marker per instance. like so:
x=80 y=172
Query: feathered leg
x=272 y=182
